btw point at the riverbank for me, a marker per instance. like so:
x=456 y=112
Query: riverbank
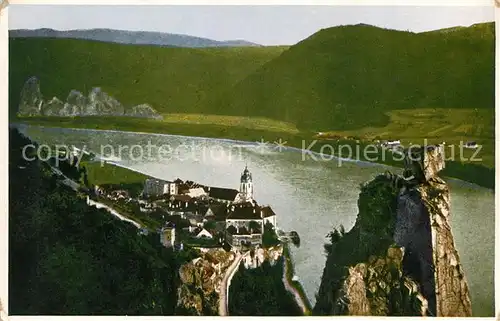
x=292 y=286
x=304 y=142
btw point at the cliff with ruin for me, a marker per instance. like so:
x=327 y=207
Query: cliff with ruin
x=400 y=257
x=96 y=103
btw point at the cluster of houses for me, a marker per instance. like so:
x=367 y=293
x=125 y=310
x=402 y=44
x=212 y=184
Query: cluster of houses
x=396 y=144
x=213 y=215
x=391 y=144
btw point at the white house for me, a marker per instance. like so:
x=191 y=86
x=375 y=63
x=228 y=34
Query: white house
x=156 y=187
x=392 y=143
x=196 y=192
x=471 y=145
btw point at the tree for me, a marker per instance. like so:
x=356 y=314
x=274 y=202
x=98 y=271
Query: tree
x=253 y=225
x=269 y=237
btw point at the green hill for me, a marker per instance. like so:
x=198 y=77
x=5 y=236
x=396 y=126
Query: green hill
x=170 y=79
x=339 y=78
x=347 y=77
x=356 y=83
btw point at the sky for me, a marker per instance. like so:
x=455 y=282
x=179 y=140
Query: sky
x=266 y=25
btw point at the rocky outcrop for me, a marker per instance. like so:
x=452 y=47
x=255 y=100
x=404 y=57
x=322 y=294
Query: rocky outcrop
x=100 y=103
x=451 y=288
x=97 y=103
x=423 y=229
x=143 y=111
x=260 y=255
x=378 y=288
x=76 y=105
x=400 y=257
x=53 y=107
x=31 y=99
x=198 y=293
x=201 y=279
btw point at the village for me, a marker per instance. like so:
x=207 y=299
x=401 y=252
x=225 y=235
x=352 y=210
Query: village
x=201 y=216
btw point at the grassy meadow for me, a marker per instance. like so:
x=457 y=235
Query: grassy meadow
x=359 y=83
x=106 y=174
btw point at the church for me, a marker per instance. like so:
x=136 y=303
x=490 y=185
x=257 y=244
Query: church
x=246 y=219
x=246 y=187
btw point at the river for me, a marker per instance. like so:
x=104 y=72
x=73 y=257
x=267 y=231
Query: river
x=310 y=196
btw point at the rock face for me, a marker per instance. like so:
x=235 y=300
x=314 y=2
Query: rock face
x=144 y=111
x=31 y=100
x=377 y=287
x=260 y=255
x=97 y=103
x=451 y=289
x=423 y=229
x=425 y=162
x=201 y=278
x=103 y=104
x=400 y=257
x=199 y=293
x=53 y=107
x=76 y=105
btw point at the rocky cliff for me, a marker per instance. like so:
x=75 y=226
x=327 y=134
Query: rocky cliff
x=31 y=98
x=96 y=103
x=400 y=257
x=199 y=291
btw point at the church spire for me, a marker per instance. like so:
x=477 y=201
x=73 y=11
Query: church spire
x=246 y=185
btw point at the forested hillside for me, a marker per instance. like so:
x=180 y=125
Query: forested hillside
x=68 y=258
x=348 y=77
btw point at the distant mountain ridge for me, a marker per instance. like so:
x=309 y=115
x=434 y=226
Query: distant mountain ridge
x=130 y=37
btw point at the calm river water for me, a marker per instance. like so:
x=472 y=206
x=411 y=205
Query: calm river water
x=309 y=196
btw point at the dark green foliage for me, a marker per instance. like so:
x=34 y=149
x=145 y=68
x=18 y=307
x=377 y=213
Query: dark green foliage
x=210 y=225
x=334 y=237
x=260 y=292
x=269 y=237
x=85 y=176
x=132 y=211
x=69 y=258
x=253 y=225
x=377 y=206
x=68 y=167
x=135 y=189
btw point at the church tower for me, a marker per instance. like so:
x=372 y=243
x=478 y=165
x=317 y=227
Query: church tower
x=246 y=185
